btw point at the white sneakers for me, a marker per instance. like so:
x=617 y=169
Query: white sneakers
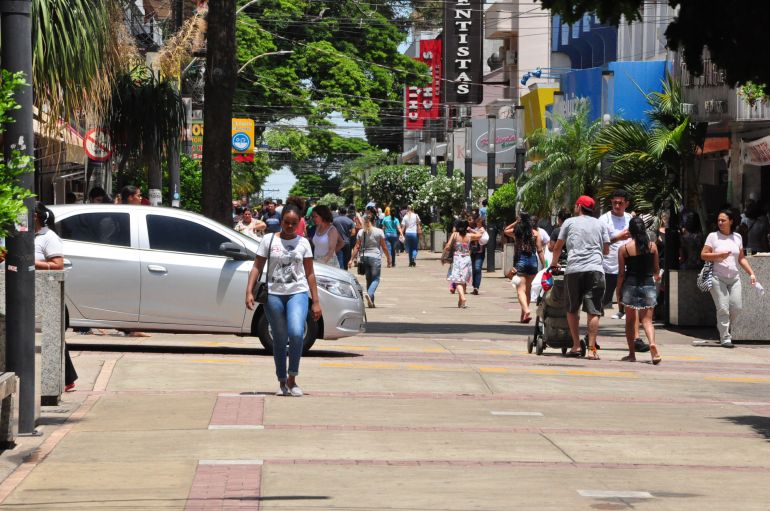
x=284 y=390
x=618 y=315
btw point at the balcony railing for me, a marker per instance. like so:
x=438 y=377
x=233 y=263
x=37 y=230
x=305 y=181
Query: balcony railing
x=760 y=111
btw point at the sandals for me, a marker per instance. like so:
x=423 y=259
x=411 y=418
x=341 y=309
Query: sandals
x=527 y=318
x=628 y=358
x=656 y=358
x=592 y=355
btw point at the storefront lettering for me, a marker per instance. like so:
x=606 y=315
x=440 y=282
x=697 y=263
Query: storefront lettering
x=462 y=33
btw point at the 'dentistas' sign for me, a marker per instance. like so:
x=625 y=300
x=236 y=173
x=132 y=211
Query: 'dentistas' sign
x=424 y=102
x=463 y=51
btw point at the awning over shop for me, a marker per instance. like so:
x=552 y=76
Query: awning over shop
x=714 y=145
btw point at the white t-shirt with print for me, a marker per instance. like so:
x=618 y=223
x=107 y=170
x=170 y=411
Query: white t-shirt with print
x=286 y=272
x=614 y=225
x=733 y=243
x=410 y=222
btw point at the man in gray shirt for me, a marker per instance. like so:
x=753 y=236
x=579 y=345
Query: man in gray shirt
x=587 y=242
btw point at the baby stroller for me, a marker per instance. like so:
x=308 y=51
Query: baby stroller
x=551 y=328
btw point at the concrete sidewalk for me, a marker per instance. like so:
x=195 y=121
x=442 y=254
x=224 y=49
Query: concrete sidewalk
x=434 y=407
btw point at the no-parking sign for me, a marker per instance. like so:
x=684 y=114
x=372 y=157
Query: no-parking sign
x=97 y=145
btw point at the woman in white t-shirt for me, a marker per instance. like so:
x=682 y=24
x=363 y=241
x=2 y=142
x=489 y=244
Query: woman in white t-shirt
x=724 y=248
x=412 y=225
x=290 y=279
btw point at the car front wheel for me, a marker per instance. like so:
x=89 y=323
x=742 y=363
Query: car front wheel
x=266 y=337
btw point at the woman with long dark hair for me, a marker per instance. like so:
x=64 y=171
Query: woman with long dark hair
x=291 y=288
x=326 y=239
x=49 y=255
x=724 y=248
x=528 y=249
x=638 y=270
x=461 y=273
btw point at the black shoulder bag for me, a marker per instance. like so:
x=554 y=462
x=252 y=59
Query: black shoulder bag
x=360 y=267
x=261 y=288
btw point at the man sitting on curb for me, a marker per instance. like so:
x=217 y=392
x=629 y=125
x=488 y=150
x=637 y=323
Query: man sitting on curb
x=587 y=243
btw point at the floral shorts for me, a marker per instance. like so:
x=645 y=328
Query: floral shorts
x=639 y=294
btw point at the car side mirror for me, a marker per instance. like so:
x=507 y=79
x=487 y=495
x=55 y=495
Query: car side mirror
x=234 y=251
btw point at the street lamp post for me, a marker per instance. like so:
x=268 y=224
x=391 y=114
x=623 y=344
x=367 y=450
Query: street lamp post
x=450 y=154
x=491 y=169
x=433 y=160
x=468 y=165
x=20 y=263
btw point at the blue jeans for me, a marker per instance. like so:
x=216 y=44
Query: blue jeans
x=412 y=242
x=391 y=240
x=478 y=267
x=373 y=267
x=286 y=315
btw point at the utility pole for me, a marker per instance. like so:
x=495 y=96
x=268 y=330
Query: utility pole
x=20 y=263
x=174 y=186
x=491 y=164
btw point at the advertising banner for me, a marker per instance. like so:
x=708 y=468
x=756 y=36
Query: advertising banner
x=463 y=46
x=505 y=141
x=425 y=102
x=757 y=152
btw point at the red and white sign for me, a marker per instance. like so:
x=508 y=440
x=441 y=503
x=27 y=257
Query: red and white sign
x=425 y=103
x=757 y=152
x=97 y=145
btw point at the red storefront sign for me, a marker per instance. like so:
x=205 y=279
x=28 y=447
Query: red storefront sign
x=425 y=102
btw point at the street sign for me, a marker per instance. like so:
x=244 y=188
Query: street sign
x=97 y=145
x=243 y=135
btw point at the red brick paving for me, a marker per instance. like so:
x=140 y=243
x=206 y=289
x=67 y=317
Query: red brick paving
x=225 y=488
x=238 y=411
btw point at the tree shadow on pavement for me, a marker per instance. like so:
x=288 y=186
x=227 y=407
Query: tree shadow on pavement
x=759 y=423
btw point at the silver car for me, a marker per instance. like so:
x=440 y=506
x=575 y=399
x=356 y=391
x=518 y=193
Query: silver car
x=163 y=269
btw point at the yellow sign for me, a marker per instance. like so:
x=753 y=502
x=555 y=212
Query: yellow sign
x=243 y=136
x=196 y=140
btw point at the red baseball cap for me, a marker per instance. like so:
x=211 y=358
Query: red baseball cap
x=584 y=201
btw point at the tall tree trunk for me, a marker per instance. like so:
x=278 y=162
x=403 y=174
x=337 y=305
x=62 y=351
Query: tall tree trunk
x=219 y=90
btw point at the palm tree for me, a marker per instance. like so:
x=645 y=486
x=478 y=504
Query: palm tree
x=563 y=168
x=77 y=48
x=145 y=117
x=649 y=160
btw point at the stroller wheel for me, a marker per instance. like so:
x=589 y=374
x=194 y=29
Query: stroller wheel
x=583 y=347
x=530 y=344
x=564 y=351
x=540 y=346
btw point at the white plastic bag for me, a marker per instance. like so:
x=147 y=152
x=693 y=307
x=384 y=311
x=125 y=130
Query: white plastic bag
x=537 y=285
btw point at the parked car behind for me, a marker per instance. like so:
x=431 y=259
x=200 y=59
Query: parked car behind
x=164 y=269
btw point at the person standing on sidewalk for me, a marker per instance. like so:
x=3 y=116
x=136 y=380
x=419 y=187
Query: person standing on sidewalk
x=412 y=226
x=271 y=217
x=346 y=228
x=724 y=248
x=587 y=242
x=616 y=221
x=638 y=271
x=291 y=287
x=250 y=226
x=371 y=244
x=392 y=228
x=49 y=255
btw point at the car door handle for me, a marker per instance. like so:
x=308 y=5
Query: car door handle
x=67 y=263
x=155 y=268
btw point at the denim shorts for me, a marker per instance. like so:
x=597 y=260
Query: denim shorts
x=639 y=293
x=526 y=264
